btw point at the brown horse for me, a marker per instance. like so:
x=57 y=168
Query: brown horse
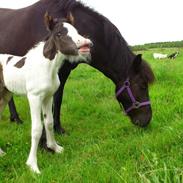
x=110 y=53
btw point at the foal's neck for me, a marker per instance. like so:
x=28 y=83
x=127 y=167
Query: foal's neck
x=37 y=51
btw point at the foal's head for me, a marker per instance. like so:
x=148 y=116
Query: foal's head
x=133 y=92
x=65 y=39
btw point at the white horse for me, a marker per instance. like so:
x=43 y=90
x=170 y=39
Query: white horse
x=159 y=56
x=35 y=75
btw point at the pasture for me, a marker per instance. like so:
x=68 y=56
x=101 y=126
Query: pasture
x=101 y=144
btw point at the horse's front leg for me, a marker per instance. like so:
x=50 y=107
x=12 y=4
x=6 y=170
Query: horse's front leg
x=35 y=103
x=63 y=76
x=48 y=123
x=13 y=112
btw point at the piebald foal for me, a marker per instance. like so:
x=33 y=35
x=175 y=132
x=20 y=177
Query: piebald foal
x=35 y=75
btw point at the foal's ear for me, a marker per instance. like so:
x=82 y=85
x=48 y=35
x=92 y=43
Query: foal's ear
x=70 y=18
x=49 y=22
x=49 y=50
x=137 y=63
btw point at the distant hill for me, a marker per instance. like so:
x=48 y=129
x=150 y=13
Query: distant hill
x=147 y=46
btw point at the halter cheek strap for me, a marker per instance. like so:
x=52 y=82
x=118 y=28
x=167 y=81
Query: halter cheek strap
x=135 y=103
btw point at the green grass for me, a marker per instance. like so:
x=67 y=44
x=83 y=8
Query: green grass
x=101 y=145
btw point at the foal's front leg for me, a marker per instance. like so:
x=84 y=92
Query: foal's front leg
x=35 y=103
x=48 y=122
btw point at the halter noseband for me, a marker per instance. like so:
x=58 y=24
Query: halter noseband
x=135 y=103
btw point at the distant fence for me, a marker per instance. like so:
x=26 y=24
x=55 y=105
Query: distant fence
x=173 y=44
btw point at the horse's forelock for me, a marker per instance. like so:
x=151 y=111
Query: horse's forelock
x=147 y=73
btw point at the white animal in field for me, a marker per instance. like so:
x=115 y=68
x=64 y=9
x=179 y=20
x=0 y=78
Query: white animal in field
x=159 y=56
x=173 y=55
x=35 y=75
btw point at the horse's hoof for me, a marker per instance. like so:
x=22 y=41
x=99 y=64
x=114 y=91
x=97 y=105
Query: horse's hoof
x=60 y=130
x=44 y=146
x=56 y=148
x=34 y=168
x=16 y=119
x=59 y=149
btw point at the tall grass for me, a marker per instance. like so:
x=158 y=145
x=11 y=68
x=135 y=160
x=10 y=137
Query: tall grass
x=101 y=145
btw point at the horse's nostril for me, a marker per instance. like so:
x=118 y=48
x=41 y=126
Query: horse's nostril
x=137 y=122
x=91 y=44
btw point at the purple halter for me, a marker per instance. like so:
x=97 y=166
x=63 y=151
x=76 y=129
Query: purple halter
x=135 y=103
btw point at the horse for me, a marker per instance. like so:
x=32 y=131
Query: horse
x=173 y=55
x=35 y=75
x=110 y=54
x=160 y=56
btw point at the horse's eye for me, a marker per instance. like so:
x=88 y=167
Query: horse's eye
x=59 y=34
x=144 y=87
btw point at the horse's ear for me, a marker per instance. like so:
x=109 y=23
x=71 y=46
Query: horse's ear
x=49 y=50
x=137 y=63
x=49 y=22
x=70 y=18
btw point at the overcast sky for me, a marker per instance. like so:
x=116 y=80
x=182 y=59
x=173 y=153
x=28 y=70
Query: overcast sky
x=139 y=21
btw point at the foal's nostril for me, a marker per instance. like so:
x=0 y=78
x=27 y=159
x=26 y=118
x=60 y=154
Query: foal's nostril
x=88 y=42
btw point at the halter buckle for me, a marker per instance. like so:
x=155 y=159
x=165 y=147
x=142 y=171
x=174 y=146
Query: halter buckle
x=127 y=83
x=136 y=105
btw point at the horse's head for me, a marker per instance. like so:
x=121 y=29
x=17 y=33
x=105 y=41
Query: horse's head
x=133 y=92
x=64 y=38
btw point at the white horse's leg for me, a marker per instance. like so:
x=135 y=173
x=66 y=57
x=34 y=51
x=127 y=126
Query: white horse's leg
x=35 y=103
x=48 y=122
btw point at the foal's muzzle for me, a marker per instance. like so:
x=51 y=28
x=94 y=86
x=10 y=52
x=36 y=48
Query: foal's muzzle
x=84 y=48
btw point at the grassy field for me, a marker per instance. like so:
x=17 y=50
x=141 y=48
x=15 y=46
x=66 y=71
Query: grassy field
x=101 y=144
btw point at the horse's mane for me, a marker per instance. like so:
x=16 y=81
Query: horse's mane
x=60 y=5
x=147 y=73
x=112 y=37
x=118 y=49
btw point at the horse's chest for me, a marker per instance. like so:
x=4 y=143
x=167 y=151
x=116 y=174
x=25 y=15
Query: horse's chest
x=45 y=84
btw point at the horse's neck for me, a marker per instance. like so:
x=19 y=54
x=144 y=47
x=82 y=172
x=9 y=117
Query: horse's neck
x=110 y=54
